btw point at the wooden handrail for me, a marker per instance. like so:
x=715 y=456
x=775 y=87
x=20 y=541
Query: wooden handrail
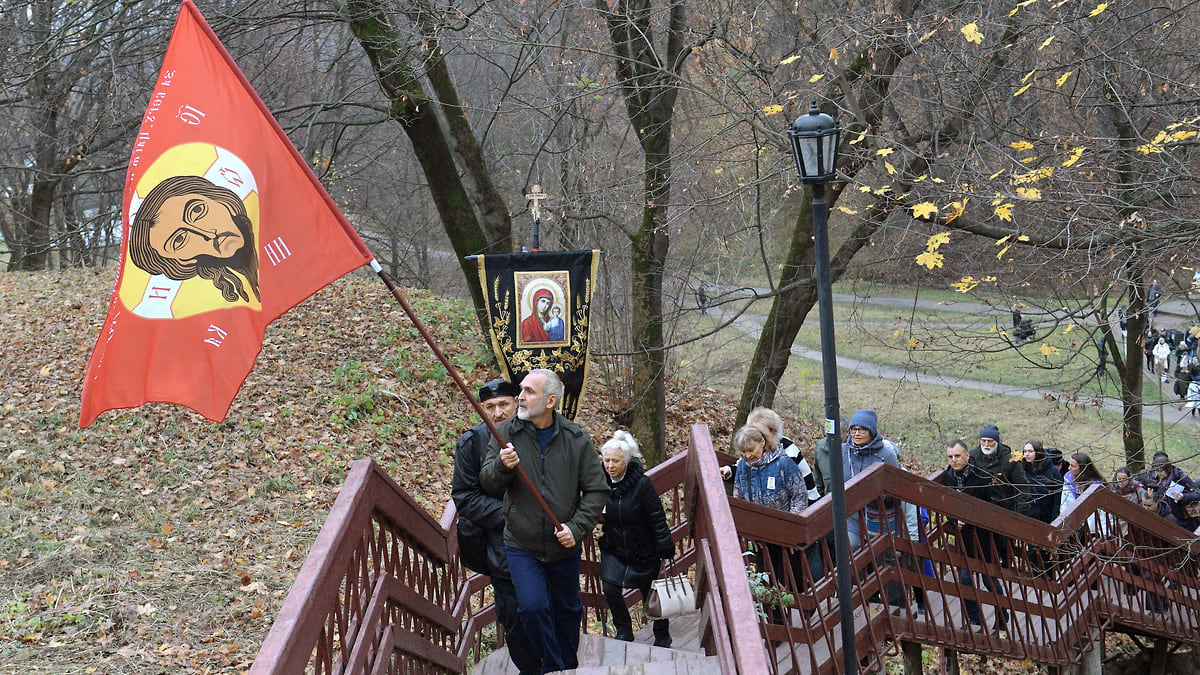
x=1105 y=564
x=327 y=604
x=713 y=521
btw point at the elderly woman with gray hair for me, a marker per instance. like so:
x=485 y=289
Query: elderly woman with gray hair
x=636 y=535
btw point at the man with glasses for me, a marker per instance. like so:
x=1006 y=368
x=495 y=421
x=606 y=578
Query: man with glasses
x=863 y=448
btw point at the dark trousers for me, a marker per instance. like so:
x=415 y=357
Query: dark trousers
x=524 y=656
x=992 y=548
x=549 y=606
x=614 y=595
x=971 y=606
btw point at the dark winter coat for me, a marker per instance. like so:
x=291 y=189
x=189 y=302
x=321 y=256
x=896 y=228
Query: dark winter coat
x=635 y=525
x=570 y=477
x=1008 y=478
x=483 y=510
x=1175 y=511
x=978 y=484
x=1045 y=489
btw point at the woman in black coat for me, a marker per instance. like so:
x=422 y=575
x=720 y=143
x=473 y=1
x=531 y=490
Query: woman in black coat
x=636 y=535
x=1045 y=482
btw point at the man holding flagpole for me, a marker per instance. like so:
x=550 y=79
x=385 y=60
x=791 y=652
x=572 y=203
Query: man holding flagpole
x=485 y=512
x=544 y=562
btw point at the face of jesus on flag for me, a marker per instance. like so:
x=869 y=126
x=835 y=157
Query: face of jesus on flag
x=187 y=224
x=194 y=220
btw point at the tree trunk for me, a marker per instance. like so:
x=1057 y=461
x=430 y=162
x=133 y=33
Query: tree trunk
x=649 y=363
x=1131 y=374
x=37 y=233
x=648 y=259
x=796 y=296
x=45 y=183
x=1136 y=270
x=795 y=300
x=414 y=109
x=647 y=75
x=912 y=658
x=950 y=661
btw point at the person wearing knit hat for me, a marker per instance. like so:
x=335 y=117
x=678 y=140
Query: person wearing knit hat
x=996 y=458
x=864 y=446
x=480 y=525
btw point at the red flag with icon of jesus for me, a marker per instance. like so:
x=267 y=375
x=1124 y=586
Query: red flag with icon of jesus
x=224 y=228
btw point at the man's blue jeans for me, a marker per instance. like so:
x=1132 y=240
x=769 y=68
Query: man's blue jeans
x=549 y=606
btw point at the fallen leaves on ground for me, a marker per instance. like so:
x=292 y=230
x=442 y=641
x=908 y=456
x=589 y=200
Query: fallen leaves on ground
x=157 y=541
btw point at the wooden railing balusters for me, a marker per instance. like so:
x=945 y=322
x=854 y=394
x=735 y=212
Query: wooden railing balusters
x=382 y=588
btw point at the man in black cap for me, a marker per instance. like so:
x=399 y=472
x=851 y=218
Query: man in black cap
x=1010 y=488
x=484 y=517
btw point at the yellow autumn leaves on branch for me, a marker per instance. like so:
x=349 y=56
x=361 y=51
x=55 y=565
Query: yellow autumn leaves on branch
x=931 y=258
x=1172 y=134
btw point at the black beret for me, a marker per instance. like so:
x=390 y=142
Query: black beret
x=498 y=388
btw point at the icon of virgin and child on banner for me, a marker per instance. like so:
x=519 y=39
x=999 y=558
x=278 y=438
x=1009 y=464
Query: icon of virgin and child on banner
x=539 y=307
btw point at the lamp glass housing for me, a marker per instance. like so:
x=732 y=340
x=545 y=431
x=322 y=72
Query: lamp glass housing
x=815 y=138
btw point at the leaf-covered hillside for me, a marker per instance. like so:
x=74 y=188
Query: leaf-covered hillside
x=157 y=541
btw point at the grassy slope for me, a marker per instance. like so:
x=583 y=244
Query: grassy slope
x=923 y=416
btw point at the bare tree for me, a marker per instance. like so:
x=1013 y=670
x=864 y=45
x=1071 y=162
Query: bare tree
x=63 y=71
x=1063 y=136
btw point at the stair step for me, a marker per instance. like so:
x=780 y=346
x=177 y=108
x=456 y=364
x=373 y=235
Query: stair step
x=606 y=656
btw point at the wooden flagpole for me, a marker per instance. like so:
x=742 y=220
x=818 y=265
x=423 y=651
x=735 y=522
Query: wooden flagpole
x=412 y=315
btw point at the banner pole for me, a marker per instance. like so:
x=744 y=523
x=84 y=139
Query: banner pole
x=433 y=345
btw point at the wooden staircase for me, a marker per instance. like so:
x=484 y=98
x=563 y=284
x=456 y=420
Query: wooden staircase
x=383 y=589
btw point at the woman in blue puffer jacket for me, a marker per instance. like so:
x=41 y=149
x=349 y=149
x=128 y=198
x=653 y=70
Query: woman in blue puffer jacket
x=772 y=479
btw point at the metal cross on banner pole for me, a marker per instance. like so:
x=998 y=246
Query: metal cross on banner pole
x=535 y=208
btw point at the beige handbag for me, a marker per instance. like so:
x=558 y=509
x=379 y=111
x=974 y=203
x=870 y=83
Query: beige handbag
x=670 y=596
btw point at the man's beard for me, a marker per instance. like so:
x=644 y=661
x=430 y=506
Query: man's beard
x=244 y=261
x=991 y=452
x=526 y=413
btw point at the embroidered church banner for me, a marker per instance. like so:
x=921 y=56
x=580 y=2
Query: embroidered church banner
x=539 y=307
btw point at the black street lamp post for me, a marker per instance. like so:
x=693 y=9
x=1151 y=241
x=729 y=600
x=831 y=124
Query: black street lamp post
x=815 y=138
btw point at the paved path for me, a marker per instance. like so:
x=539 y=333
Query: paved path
x=1176 y=311
x=751 y=324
